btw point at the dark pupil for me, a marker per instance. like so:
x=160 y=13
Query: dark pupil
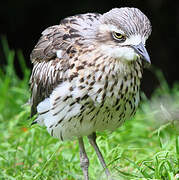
x=118 y=34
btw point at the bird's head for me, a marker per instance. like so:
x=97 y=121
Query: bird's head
x=122 y=34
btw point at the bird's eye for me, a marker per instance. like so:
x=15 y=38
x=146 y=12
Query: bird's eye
x=118 y=36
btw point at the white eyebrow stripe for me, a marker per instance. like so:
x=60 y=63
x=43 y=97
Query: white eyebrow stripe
x=111 y=28
x=114 y=29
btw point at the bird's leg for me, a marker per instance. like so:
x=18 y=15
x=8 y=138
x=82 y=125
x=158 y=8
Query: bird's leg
x=92 y=140
x=84 y=161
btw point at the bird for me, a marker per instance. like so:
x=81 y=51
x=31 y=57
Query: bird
x=86 y=75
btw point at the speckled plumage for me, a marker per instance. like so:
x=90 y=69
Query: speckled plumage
x=83 y=80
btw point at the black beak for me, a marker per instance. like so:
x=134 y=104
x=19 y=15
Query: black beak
x=141 y=50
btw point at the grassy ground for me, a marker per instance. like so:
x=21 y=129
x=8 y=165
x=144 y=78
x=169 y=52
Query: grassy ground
x=145 y=147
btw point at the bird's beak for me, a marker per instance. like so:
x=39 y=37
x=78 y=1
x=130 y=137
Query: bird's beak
x=141 y=51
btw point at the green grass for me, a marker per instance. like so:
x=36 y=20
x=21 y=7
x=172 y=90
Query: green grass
x=145 y=147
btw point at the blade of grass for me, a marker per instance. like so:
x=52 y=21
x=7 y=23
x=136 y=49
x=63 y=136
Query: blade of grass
x=145 y=174
x=177 y=150
x=46 y=164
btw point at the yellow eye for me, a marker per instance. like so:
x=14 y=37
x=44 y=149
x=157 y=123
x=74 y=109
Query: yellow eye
x=119 y=36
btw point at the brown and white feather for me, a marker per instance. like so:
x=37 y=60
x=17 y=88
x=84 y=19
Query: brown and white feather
x=78 y=84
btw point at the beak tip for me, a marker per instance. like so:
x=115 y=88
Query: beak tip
x=147 y=58
x=142 y=52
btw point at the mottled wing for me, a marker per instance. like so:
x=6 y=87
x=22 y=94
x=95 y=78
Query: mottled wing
x=50 y=70
x=46 y=46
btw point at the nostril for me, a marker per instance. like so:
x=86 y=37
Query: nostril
x=139 y=50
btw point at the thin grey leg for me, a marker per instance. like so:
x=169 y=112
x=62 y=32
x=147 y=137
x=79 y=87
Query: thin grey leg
x=92 y=140
x=84 y=161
